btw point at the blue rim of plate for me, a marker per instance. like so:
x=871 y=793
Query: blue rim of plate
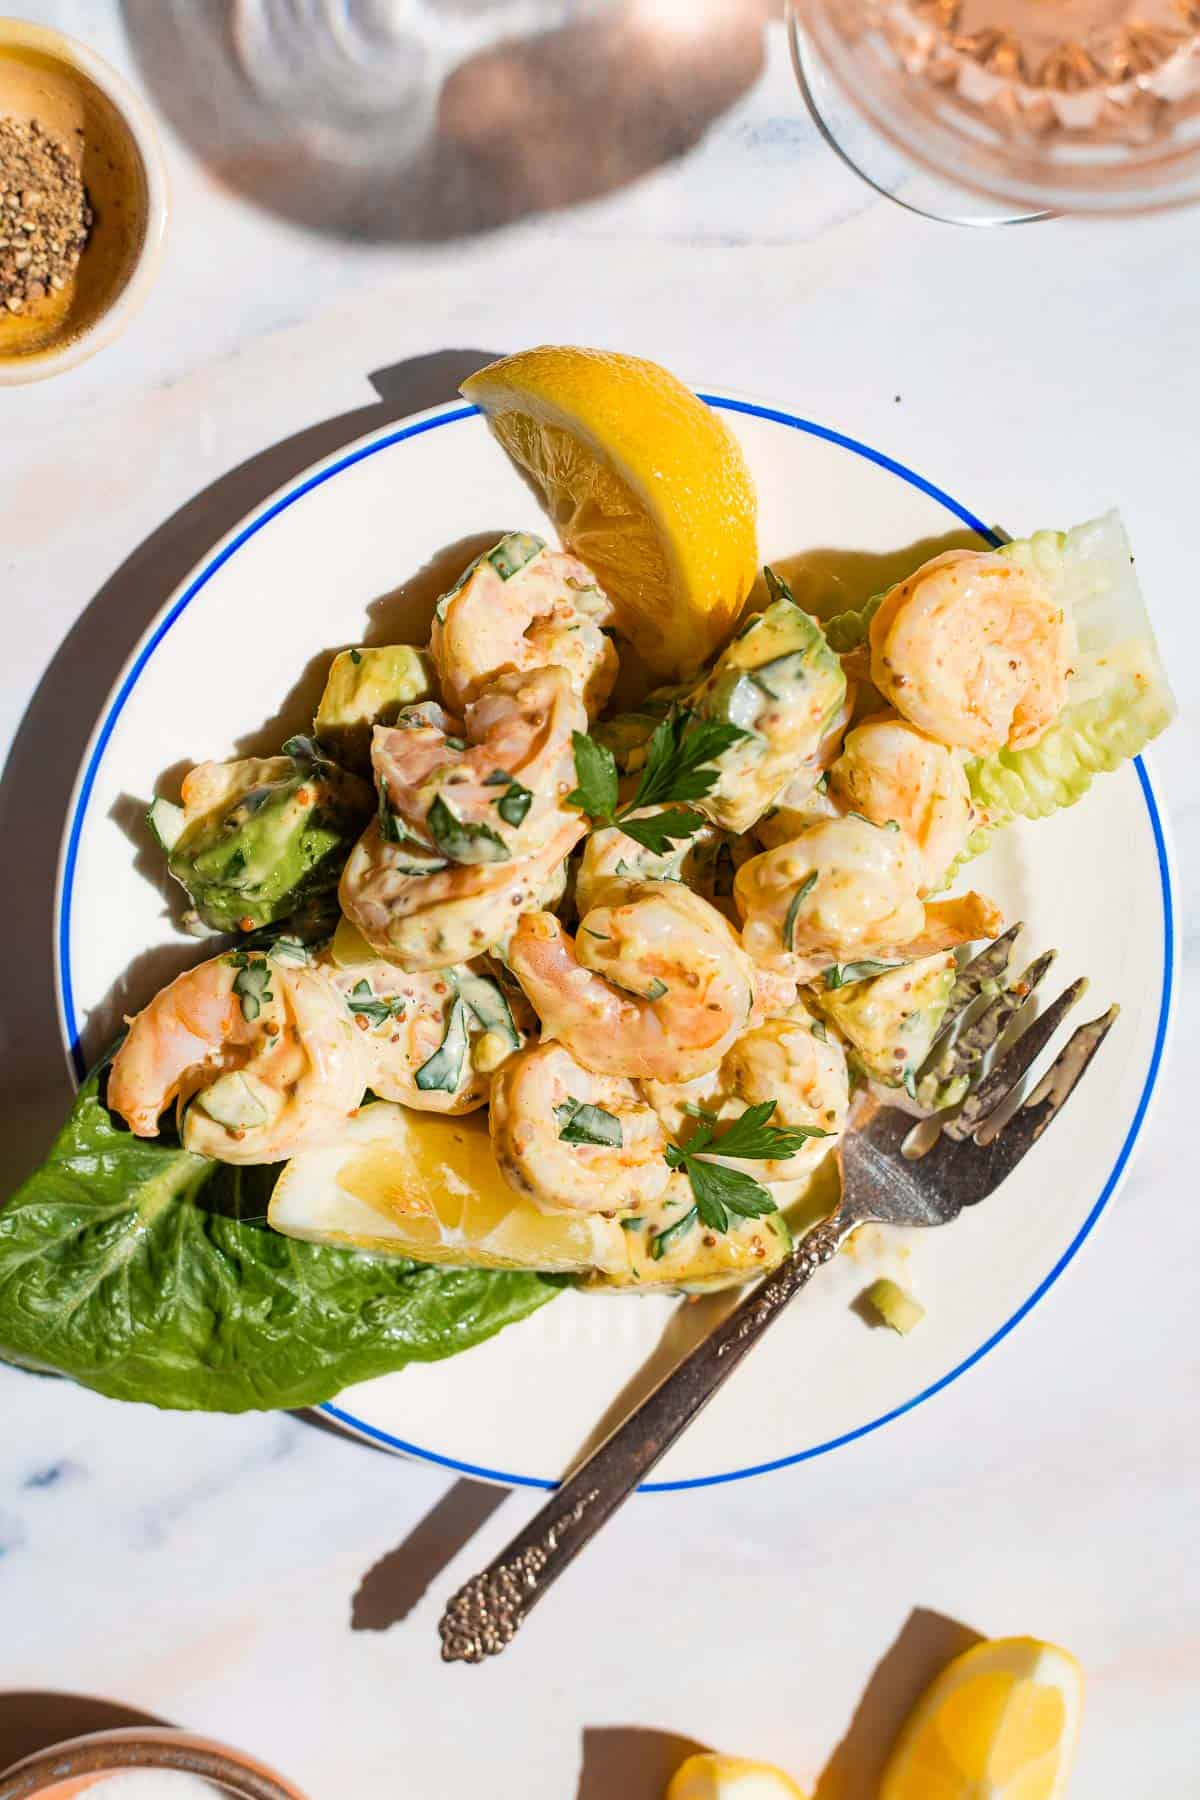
x=417 y=428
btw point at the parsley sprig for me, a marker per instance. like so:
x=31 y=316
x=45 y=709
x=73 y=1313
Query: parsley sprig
x=679 y=767
x=719 y=1191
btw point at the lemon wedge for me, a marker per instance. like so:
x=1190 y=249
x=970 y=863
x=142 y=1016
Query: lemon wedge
x=709 y=1777
x=645 y=483
x=999 y=1723
x=426 y=1186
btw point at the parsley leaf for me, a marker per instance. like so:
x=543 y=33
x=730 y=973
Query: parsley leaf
x=842 y=974
x=596 y=773
x=679 y=763
x=680 y=748
x=662 y=1240
x=660 y=832
x=364 y=1004
x=580 y=1123
x=797 y=901
x=252 y=983
x=463 y=842
x=720 y=1191
x=514 y=803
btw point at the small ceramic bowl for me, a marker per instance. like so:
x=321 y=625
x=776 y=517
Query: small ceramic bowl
x=94 y=112
x=85 y=1764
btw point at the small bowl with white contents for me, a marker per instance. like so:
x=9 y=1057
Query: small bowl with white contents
x=83 y=202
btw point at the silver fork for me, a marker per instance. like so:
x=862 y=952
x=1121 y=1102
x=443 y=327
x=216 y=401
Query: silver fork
x=975 y=1150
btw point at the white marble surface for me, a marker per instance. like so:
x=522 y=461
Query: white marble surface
x=209 y=1570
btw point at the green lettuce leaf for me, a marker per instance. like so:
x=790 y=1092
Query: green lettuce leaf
x=1118 y=698
x=151 y=1274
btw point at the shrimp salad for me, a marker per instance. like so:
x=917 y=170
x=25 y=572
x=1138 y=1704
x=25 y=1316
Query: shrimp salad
x=654 y=949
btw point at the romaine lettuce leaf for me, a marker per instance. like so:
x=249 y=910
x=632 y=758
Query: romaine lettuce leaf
x=1118 y=697
x=151 y=1274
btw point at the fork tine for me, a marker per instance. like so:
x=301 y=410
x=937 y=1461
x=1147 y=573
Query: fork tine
x=1004 y=1150
x=999 y=1083
x=976 y=1039
x=990 y=965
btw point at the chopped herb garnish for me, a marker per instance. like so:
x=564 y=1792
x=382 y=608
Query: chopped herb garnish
x=497 y=778
x=443 y=1071
x=632 y=1224
x=699 y=1112
x=364 y=1004
x=463 y=842
x=289 y=949
x=720 y=1191
x=842 y=974
x=580 y=1123
x=251 y=984
x=678 y=767
x=356 y=657
x=819 y=1031
x=456 y=743
x=604 y=936
x=657 y=989
x=662 y=1241
x=910 y=1083
x=514 y=803
x=797 y=901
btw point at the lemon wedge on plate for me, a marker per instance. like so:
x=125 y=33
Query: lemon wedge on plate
x=709 y=1777
x=645 y=483
x=999 y=1723
x=426 y=1186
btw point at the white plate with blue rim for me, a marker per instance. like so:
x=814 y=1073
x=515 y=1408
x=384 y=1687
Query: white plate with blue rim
x=357 y=549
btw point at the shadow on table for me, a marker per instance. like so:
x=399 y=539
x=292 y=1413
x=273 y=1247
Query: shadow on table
x=392 y=1587
x=37 y=780
x=30 y=1722
x=927 y=1643
x=630 y=1761
x=466 y=126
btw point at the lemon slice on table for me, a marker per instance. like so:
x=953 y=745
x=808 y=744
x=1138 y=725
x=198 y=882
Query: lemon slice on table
x=999 y=1723
x=645 y=483
x=425 y=1185
x=709 y=1777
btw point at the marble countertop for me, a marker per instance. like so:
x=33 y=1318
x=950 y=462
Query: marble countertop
x=259 y=1578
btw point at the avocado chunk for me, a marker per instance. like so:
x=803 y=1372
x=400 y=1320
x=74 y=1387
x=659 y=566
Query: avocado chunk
x=263 y=835
x=365 y=688
x=891 y=1020
x=670 y=1250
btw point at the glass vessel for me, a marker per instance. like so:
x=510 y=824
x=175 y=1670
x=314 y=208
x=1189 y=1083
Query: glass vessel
x=996 y=111
x=102 y=1760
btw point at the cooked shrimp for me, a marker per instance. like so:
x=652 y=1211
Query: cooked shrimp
x=422 y=913
x=498 y=795
x=963 y=920
x=804 y=801
x=842 y=888
x=522 y=606
x=610 y=856
x=264 y=1050
x=422 y=1043
x=782 y=1060
x=974 y=651
x=569 y=1139
x=655 y=986
x=890 y=770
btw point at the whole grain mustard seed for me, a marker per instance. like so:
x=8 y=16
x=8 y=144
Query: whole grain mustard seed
x=44 y=215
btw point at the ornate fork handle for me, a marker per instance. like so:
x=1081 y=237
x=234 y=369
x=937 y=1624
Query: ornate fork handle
x=484 y=1616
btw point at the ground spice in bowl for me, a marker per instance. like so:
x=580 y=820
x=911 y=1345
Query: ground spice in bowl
x=45 y=217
